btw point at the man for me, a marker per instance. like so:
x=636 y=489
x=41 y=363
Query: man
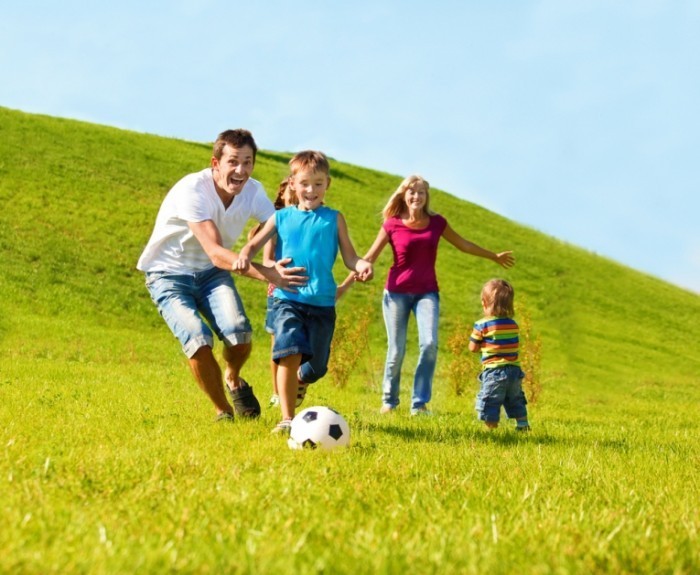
x=188 y=266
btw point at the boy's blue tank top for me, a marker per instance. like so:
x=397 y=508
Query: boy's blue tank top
x=311 y=240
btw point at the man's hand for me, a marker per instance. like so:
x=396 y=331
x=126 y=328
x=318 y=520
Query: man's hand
x=287 y=278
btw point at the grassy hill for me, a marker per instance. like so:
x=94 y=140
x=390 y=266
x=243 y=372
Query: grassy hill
x=98 y=408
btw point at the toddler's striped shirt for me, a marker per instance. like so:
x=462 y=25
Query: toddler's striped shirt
x=498 y=337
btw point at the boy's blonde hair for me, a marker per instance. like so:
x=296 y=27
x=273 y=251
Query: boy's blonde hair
x=397 y=204
x=309 y=160
x=497 y=296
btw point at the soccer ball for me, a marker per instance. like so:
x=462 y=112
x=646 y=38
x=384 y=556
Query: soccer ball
x=319 y=427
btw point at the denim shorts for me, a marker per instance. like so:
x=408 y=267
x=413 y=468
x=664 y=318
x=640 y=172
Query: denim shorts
x=303 y=329
x=270 y=316
x=186 y=300
x=501 y=386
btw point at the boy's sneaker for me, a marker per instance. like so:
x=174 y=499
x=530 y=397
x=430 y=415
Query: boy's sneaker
x=523 y=428
x=301 y=393
x=224 y=416
x=284 y=427
x=274 y=400
x=387 y=409
x=421 y=411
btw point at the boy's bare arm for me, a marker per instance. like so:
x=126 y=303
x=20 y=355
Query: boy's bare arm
x=350 y=258
x=371 y=256
x=261 y=238
x=253 y=246
x=269 y=253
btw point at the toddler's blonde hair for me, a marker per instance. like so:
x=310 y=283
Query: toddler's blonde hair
x=497 y=296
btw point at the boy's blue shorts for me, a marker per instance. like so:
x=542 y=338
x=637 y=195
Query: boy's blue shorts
x=303 y=329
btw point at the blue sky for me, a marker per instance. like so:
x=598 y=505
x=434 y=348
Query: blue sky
x=578 y=119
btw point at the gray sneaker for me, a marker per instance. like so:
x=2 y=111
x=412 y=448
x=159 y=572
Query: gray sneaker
x=245 y=404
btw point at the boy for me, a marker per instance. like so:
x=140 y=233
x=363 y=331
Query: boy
x=311 y=234
x=496 y=337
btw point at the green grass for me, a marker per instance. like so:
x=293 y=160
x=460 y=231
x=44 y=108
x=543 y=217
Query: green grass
x=111 y=463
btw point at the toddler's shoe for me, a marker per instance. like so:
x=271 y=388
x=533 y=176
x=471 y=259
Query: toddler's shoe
x=387 y=409
x=421 y=411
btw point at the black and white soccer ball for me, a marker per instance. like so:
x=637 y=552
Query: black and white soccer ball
x=319 y=427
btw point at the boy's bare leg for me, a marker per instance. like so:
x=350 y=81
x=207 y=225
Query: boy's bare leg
x=287 y=384
x=235 y=357
x=207 y=373
x=273 y=368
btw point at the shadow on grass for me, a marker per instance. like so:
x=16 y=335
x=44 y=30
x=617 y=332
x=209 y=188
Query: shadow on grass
x=437 y=431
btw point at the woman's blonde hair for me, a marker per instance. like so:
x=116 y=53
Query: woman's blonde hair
x=497 y=296
x=396 y=204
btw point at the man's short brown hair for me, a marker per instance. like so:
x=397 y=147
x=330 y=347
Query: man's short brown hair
x=236 y=139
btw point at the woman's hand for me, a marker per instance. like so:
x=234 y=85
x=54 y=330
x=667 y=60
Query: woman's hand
x=505 y=259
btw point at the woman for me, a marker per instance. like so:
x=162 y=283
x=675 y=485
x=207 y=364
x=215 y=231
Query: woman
x=414 y=233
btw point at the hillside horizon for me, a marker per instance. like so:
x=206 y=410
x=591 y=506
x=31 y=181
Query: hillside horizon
x=94 y=191
x=287 y=155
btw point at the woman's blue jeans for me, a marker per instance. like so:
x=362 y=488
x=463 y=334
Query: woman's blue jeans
x=397 y=309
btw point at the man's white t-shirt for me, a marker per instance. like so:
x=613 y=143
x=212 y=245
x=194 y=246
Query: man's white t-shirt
x=173 y=248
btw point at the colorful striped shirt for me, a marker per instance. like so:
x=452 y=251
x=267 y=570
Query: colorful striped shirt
x=498 y=338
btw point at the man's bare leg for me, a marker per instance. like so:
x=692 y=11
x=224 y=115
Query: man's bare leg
x=235 y=357
x=207 y=373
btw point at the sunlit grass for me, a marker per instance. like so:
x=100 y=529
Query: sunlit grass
x=110 y=461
